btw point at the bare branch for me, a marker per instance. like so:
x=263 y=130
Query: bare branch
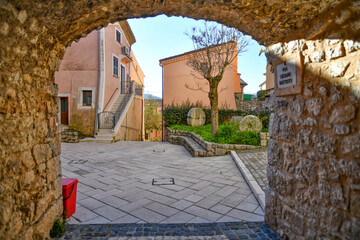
x=223 y=89
x=199 y=87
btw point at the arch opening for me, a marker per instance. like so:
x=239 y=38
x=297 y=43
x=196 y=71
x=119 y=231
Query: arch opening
x=35 y=36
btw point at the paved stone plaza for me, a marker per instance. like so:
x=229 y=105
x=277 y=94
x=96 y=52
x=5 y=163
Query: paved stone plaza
x=256 y=162
x=115 y=185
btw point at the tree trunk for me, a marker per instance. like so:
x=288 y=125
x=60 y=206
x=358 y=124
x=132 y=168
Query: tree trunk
x=214 y=99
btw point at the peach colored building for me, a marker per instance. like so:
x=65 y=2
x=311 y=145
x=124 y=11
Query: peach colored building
x=178 y=82
x=101 y=85
x=268 y=85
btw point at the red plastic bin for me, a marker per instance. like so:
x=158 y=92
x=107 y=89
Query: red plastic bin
x=69 y=188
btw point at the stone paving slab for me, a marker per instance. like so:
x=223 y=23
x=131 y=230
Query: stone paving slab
x=229 y=230
x=256 y=162
x=115 y=185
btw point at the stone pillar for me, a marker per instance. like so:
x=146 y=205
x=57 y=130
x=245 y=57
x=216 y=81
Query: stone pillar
x=314 y=150
x=30 y=186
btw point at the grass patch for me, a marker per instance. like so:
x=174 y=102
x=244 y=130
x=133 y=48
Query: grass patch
x=229 y=133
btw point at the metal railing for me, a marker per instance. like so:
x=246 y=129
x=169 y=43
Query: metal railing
x=110 y=98
x=125 y=87
x=139 y=89
x=106 y=120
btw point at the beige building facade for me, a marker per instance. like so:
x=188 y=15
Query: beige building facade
x=180 y=86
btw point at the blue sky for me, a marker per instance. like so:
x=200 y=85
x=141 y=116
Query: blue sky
x=161 y=37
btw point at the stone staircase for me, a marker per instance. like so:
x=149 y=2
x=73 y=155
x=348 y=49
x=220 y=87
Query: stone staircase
x=107 y=135
x=190 y=144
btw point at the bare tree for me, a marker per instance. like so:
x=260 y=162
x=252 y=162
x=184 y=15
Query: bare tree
x=216 y=47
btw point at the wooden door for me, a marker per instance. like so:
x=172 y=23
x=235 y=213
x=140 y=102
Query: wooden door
x=64 y=110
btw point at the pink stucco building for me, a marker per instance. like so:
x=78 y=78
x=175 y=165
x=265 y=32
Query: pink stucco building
x=178 y=82
x=100 y=85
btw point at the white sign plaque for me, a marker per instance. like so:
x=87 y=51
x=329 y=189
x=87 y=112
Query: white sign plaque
x=286 y=74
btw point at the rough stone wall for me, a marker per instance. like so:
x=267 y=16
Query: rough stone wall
x=130 y=129
x=30 y=170
x=69 y=136
x=250 y=105
x=33 y=38
x=314 y=150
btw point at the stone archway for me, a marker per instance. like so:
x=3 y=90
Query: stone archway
x=34 y=36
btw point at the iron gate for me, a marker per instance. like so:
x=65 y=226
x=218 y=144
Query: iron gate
x=106 y=120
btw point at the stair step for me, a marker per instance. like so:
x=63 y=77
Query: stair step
x=96 y=140
x=190 y=144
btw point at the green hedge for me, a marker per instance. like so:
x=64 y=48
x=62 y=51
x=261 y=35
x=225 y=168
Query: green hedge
x=229 y=133
x=177 y=114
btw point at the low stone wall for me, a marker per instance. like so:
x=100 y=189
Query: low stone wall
x=264 y=138
x=250 y=105
x=69 y=136
x=212 y=149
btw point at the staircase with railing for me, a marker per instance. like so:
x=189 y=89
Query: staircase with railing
x=108 y=120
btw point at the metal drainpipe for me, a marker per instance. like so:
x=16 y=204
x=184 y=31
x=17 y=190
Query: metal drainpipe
x=162 y=104
x=98 y=86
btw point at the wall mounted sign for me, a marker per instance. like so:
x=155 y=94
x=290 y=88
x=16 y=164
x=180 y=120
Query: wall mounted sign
x=288 y=75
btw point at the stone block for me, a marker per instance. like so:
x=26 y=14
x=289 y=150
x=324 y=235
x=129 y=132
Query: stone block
x=42 y=152
x=317 y=56
x=220 y=151
x=339 y=196
x=342 y=114
x=355 y=205
x=297 y=106
x=306 y=170
x=322 y=91
x=334 y=52
x=314 y=106
x=278 y=103
x=293 y=219
x=281 y=127
x=341 y=129
x=351 y=45
x=309 y=121
x=263 y=143
x=303 y=137
x=336 y=94
x=275 y=154
x=263 y=135
x=337 y=69
x=351 y=145
x=324 y=142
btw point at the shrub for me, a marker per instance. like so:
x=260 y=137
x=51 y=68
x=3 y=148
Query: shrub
x=228 y=134
x=261 y=95
x=58 y=228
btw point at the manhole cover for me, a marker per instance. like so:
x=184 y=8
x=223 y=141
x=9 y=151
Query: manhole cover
x=81 y=172
x=158 y=150
x=163 y=181
x=78 y=161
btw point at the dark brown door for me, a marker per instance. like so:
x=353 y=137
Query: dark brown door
x=64 y=111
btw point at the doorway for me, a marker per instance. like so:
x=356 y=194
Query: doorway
x=64 y=110
x=123 y=84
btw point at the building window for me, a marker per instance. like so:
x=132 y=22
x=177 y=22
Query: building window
x=87 y=97
x=115 y=66
x=118 y=36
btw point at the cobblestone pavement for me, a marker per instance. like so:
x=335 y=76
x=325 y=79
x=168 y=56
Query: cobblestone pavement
x=229 y=230
x=115 y=185
x=256 y=162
